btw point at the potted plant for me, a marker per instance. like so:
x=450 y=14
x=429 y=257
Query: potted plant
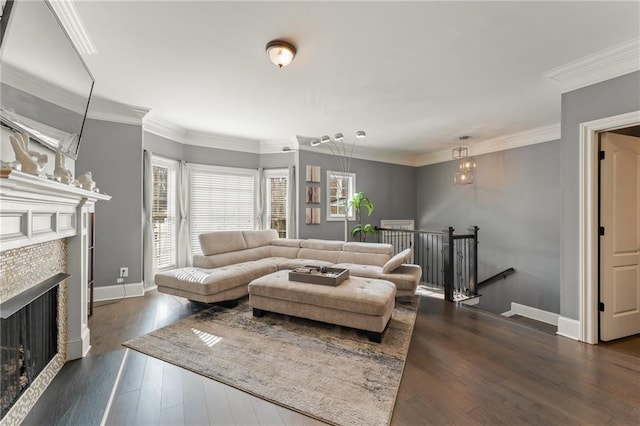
x=359 y=202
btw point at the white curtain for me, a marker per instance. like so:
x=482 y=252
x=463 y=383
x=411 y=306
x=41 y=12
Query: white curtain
x=148 y=249
x=261 y=200
x=184 y=246
x=292 y=224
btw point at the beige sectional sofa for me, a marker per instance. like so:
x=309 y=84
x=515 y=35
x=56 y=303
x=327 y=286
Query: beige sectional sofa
x=232 y=259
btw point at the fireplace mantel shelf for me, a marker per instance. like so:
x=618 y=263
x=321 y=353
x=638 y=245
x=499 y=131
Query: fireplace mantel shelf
x=35 y=210
x=26 y=186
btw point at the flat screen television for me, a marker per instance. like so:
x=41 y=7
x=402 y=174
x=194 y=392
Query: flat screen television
x=45 y=84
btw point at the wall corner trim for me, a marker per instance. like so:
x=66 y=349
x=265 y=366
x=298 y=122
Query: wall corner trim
x=604 y=65
x=118 y=291
x=568 y=327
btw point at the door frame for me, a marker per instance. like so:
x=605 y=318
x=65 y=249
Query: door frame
x=588 y=238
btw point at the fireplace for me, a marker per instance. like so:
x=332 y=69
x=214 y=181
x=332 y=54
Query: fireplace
x=44 y=267
x=28 y=343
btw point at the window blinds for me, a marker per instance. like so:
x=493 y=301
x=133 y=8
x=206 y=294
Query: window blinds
x=278 y=205
x=163 y=216
x=221 y=199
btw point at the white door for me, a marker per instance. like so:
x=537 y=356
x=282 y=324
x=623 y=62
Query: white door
x=620 y=244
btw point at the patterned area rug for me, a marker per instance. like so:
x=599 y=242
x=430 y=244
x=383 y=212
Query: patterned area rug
x=331 y=373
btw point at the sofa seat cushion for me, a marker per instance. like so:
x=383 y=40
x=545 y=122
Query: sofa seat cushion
x=358 y=270
x=212 y=281
x=405 y=277
x=298 y=263
x=360 y=295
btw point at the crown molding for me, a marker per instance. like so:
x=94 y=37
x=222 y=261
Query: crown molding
x=35 y=86
x=609 y=63
x=501 y=143
x=164 y=128
x=230 y=143
x=107 y=110
x=361 y=153
x=275 y=146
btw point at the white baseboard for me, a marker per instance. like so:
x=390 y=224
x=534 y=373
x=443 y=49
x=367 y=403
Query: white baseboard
x=118 y=291
x=153 y=287
x=532 y=313
x=568 y=327
x=471 y=302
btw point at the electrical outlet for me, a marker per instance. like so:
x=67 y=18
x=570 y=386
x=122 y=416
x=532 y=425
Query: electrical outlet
x=124 y=272
x=120 y=280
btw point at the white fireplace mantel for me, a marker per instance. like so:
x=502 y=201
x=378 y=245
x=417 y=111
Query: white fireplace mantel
x=35 y=210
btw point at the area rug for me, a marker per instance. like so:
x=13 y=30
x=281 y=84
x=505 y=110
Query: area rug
x=330 y=373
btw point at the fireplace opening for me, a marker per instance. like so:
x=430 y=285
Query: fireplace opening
x=28 y=342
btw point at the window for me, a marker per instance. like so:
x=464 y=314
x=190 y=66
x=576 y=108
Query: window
x=222 y=198
x=164 y=211
x=340 y=188
x=276 y=208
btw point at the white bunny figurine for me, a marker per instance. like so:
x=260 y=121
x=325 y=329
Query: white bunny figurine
x=31 y=162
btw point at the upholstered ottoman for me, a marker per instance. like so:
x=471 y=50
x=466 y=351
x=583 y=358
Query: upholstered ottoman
x=362 y=303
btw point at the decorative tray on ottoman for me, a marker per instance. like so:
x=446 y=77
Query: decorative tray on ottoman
x=316 y=275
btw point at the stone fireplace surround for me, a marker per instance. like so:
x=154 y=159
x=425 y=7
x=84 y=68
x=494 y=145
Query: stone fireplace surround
x=44 y=231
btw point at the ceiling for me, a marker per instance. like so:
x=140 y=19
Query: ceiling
x=413 y=75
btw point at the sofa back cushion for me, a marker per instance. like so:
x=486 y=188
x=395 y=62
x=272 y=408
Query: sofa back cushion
x=280 y=251
x=286 y=242
x=376 y=259
x=377 y=248
x=396 y=261
x=232 y=257
x=259 y=238
x=221 y=242
x=316 y=254
x=322 y=244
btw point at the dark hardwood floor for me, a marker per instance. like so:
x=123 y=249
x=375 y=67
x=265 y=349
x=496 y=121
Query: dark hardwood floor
x=464 y=366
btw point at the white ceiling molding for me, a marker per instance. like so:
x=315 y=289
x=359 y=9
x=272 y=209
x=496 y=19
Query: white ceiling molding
x=606 y=64
x=33 y=85
x=275 y=146
x=164 y=128
x=501 y=143
x=230 y=143
x=362 y=153
x=107 y=110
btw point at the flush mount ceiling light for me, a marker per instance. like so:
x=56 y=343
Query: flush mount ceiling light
x=280 y=52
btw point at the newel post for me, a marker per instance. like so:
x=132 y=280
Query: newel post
x=447 y=254
x=473 y=262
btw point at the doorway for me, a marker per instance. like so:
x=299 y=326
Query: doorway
x=587 y=326
x=619 y=230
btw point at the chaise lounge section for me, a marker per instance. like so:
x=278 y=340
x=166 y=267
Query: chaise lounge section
x=232 y=259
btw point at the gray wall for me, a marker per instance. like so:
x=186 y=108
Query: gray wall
x=515 y=200
x=390 y=187
x=612 y=97
x=113 y=153
x=164 y=147
x=278 y=160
